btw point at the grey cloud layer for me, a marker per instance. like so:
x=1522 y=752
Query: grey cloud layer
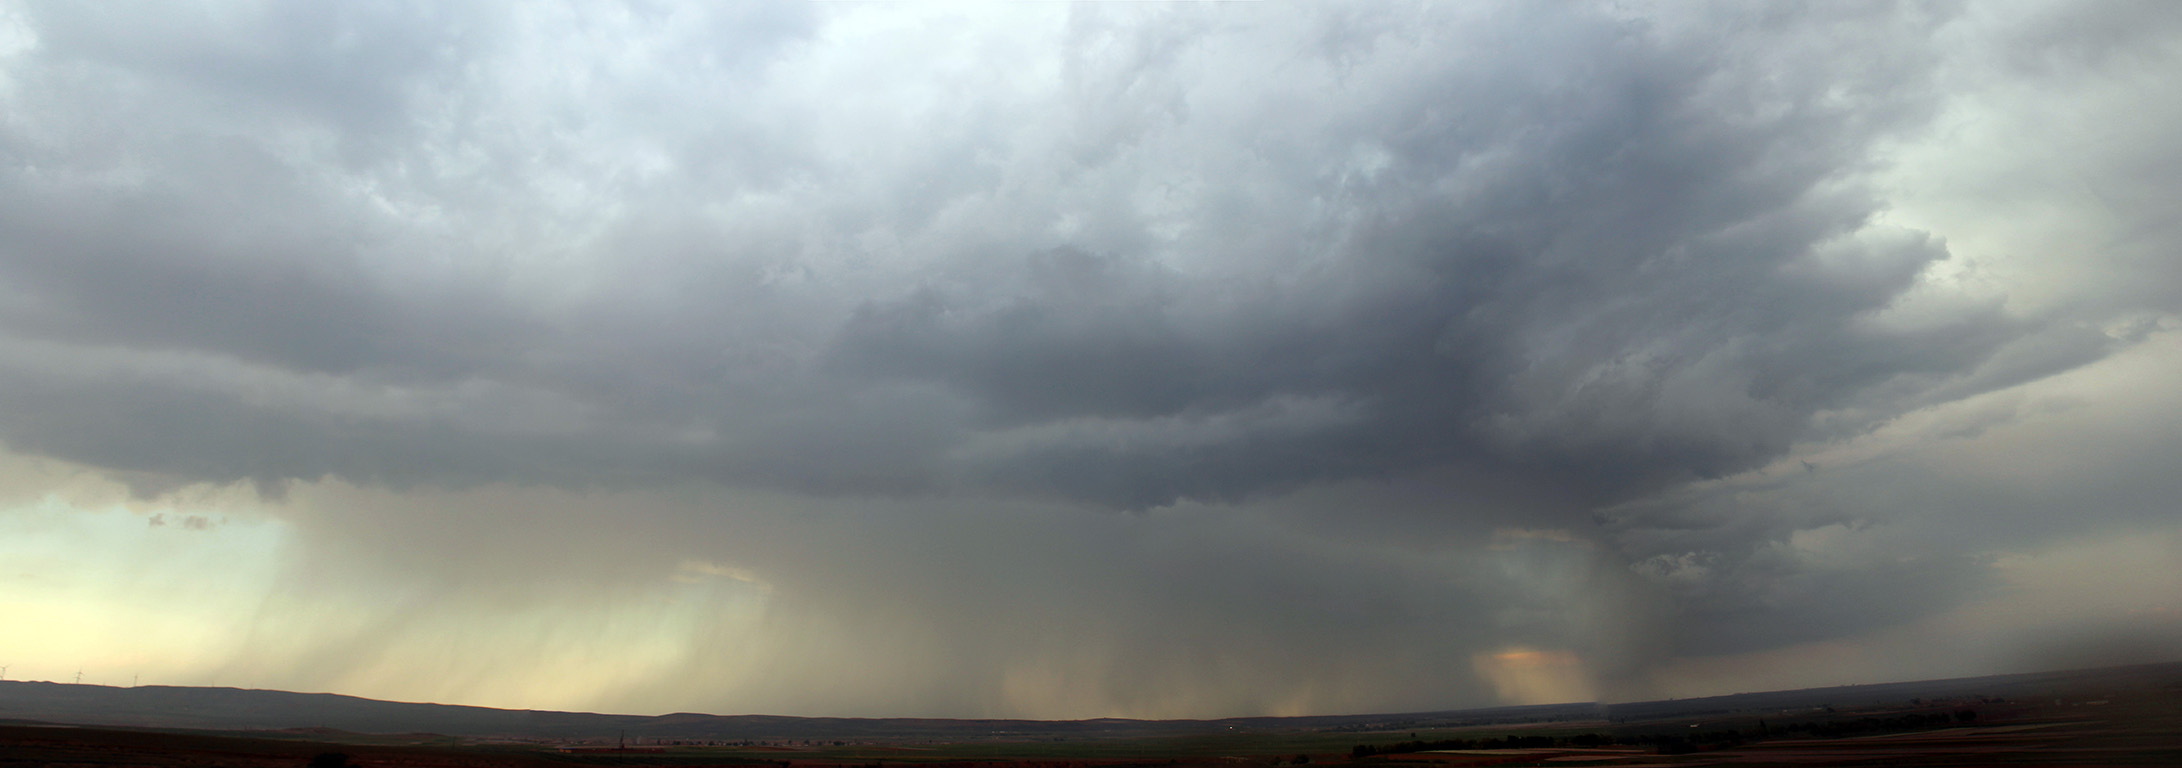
x=1583 y=247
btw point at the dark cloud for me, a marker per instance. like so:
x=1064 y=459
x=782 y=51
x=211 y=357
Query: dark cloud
x=1563 y=309
x=1630 y=262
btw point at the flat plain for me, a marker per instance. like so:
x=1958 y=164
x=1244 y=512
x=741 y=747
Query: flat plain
x=2111 y=717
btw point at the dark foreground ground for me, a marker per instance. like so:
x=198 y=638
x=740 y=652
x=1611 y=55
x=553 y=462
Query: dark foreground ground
x=2098 y=718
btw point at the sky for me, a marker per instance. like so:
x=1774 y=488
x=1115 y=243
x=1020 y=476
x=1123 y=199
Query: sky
x=1078 y=360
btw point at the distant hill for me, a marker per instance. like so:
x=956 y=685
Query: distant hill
x=2078 y=682
x=232 y=709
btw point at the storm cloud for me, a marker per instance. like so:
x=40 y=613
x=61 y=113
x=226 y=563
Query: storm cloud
x=1196 y=350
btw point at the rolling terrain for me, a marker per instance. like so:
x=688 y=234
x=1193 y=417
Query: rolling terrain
x=2114 y=716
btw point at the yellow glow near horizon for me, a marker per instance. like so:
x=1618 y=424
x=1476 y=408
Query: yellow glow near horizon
x=223 y=594
x=1524 y=675
x=125 y=594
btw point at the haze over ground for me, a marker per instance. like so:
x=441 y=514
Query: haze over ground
x=1080 y=360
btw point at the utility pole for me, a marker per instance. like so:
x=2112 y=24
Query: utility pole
x=134 y=678
x=79 y=675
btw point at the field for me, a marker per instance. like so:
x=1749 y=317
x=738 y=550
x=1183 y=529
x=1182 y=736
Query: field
x=2132 y=717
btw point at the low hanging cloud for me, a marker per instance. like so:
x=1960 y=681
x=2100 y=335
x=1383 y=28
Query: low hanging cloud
x=1250 y=300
